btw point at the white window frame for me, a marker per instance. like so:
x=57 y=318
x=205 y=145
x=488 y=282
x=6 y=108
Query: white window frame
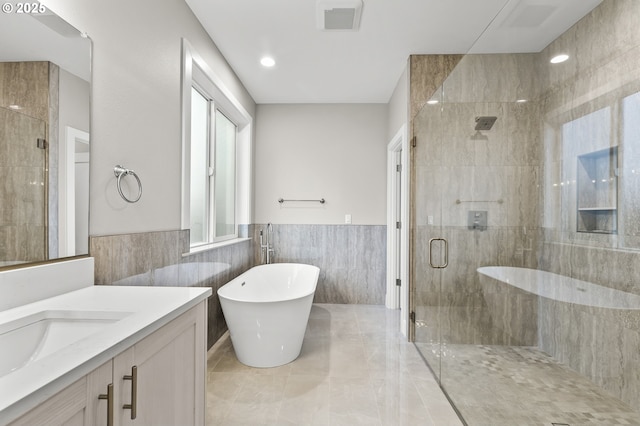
x=196 y=73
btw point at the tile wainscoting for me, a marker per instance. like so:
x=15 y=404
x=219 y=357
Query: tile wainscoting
x=352 y=260
x=155 y=259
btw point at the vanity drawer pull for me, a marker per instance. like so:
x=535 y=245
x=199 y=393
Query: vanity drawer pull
x=134 y=392
x=109 y=398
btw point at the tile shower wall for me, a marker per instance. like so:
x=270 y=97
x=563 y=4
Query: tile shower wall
x=27 y=83
x=457 y=170
x=540 y=230
x=604 y=346
x=155 y=259
x=351 y=258
x=427 y=73
x=23 y=216
x=53 y=166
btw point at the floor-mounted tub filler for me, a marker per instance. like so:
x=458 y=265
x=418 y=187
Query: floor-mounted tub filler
x=267 y=309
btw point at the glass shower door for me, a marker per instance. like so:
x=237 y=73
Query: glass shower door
x=529 y=170
x=476 y=197
x=476 y=194
x=428 y=244
x=23 y=196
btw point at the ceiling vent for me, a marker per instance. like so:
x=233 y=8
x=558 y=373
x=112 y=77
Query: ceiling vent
x=338 y=15
x=529 y=15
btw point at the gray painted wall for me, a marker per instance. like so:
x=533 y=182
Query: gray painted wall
x=136 y=104
x=311 y=151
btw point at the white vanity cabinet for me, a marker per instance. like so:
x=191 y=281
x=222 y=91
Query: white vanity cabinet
x=159 y=380
x=169 y=384
x=76 y=405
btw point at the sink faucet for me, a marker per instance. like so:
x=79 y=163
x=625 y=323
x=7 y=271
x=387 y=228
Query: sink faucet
x=265 y=243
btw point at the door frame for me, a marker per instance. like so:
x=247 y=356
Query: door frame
x=67 y=188
x=398 y=299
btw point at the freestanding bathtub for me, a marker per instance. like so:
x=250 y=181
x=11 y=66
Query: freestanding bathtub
x=267 y=309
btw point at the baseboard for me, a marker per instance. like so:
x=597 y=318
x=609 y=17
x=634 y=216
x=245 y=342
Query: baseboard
x=218 y=344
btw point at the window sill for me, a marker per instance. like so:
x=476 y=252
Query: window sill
x=214 y=246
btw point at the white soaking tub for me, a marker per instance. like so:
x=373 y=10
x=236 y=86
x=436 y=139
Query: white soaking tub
x=267 y=309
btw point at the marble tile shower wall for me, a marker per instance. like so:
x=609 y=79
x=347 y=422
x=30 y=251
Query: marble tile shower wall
x=23 y=226
x=604 y=346
x=28 y=83
x=351 y=258
x=427 y=73
x=155 y=259
x=456 y=171
x=53 y=166
x=607 y=51
x=604 y=71
x=456 y=310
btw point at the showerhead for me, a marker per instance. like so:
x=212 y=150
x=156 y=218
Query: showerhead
x=485 y=123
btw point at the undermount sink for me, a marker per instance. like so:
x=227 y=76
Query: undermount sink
x=33 y=337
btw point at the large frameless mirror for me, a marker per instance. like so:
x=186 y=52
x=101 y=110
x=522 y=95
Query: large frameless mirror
x=45 y=85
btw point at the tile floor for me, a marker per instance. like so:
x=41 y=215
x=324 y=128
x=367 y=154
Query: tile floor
x=355 y=369
x=518 y=385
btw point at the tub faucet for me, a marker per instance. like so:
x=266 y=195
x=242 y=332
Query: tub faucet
x=265 y=243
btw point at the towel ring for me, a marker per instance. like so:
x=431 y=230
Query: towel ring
x=120 y=171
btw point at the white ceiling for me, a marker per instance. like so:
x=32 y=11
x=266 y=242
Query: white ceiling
x=44 y=37
x=315 y=66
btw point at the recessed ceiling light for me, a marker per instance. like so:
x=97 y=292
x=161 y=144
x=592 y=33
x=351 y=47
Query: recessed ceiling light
x=432 y=102
x=559 y=58
x=16 y=107
x=521 y=101
x=267 y=61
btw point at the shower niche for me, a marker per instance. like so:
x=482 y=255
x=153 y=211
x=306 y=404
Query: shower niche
x=597 y=191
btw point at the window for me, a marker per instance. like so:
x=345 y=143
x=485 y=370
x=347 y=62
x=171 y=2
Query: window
x=216 y=156
x=213 y=172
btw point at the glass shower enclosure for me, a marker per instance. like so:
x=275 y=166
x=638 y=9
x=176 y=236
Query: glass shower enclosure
x=526 y=229
x=23 y=193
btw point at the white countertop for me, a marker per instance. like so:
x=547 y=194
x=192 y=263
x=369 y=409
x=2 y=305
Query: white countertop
x=150 y=308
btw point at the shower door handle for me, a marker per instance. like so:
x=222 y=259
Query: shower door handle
x=446 y=253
